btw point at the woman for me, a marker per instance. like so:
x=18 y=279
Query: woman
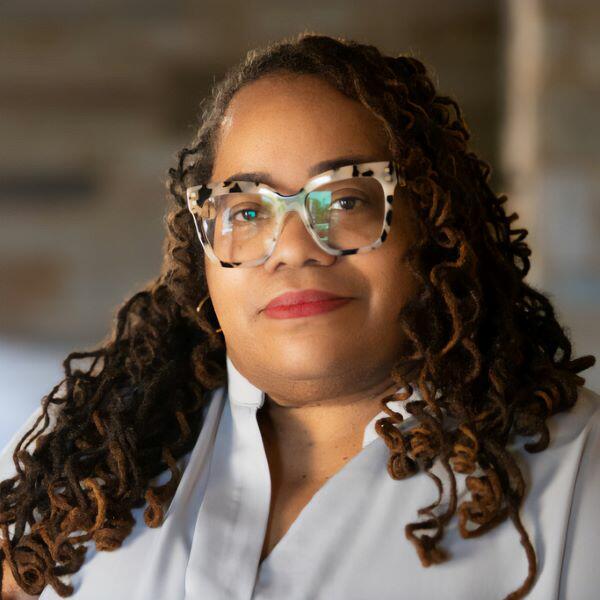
x=373 y=385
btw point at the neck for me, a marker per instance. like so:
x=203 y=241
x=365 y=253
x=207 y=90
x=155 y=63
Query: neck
x=308 y=443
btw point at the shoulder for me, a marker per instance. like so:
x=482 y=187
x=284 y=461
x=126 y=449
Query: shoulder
x=137 y=542
x=35 y=422
x=570 y=430
x=589 y=401
x=573 y=452
x=579 y=574
x=578 y=420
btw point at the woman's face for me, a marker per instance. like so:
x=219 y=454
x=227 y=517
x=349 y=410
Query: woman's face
x=282 y=126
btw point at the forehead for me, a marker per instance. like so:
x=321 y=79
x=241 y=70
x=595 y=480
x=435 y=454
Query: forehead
x=288 y=124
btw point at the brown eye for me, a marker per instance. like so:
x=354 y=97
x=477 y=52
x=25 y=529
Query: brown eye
x=346 y=203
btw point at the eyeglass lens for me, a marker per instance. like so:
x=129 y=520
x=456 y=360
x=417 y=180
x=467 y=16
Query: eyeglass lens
x=344 y=214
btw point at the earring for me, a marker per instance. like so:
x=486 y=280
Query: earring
x=199 y=308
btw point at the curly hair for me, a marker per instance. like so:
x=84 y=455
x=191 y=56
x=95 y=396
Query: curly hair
x=485 y=346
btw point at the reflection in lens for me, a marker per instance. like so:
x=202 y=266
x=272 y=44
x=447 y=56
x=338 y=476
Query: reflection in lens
x=345 y=214
x=243 y=226
x=348 y=214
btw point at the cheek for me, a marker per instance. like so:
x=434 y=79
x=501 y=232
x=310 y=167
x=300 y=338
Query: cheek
x=226 y=289
x=393 y=287
x=402 y=238
x=392 y=281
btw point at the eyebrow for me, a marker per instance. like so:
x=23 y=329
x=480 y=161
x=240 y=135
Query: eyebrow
x=320 y=167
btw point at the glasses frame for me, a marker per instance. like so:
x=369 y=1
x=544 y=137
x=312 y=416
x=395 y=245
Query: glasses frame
x=201 y=204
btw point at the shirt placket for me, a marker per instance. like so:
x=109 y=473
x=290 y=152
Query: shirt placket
x=232 y=519
x=252 y=489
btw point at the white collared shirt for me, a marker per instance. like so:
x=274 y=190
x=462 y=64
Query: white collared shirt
x=348 y=543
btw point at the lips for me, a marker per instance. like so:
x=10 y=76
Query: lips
x=301 y=297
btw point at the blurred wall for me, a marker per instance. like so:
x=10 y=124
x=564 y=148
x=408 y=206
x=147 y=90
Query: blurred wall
x=550 y=155
x=95 y=102
x=96 y=98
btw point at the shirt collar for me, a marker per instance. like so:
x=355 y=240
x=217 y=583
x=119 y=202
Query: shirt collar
x=242 y=392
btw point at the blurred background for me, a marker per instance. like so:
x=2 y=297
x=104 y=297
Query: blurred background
x=97 y=97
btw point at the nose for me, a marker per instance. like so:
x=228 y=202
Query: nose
x=296 y=247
